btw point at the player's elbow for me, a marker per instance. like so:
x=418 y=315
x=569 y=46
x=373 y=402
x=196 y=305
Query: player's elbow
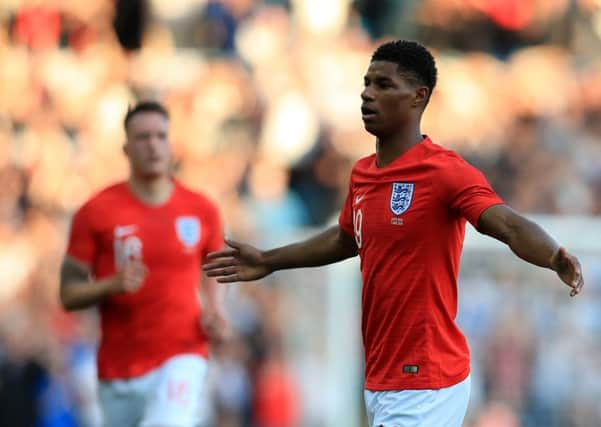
x=67 y=301
x=352 y=251
x=346 y=250
x=345 y=244
x=67 y=304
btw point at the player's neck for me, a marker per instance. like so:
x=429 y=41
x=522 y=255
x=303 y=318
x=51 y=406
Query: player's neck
x=152 y=191
x=389 y=148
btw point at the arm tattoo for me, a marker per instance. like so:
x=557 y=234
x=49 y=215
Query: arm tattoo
x=72 y=271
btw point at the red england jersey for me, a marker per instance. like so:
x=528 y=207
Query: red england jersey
x=408 y=220
x=142 y=329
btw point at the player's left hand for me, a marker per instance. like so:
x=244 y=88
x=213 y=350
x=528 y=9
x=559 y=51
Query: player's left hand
x=216 y=327
x=568 y=269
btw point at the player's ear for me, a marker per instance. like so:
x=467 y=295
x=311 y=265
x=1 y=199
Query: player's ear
x=421 y=96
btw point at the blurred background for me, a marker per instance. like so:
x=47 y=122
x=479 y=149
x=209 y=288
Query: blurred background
x=264 y=103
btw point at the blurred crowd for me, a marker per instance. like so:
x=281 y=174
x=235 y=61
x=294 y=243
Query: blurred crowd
x=264 y=103
x=533 y=348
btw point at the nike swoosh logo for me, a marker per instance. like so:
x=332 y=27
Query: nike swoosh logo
x=359 y=198
x=124 y=230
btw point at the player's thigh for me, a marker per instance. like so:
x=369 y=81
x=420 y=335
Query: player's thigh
x=443 y=407
x=122 y=402
x=174 y=400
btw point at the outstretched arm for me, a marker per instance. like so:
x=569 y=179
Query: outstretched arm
x=330 y=246
x=242 y=262
x=531 y=243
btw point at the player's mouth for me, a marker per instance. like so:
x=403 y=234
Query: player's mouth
x=154 y=160
x=367 y=113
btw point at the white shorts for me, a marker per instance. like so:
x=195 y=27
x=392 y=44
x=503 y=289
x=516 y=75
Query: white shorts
x=168 y=396
x=443 y=407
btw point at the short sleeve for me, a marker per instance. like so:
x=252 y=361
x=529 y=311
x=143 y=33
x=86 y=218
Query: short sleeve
x=345 y=220
x=82 y=245
x=466 y=190
x=214 y=230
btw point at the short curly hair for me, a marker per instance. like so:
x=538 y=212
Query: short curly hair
x=412 y=58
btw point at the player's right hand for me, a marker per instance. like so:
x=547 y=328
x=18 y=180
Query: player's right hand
x=568 y=269
x=238 y=263
x=131 y=277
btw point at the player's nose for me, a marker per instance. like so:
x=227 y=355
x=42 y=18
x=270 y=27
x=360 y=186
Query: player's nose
x=366 y=94
x=155 y=144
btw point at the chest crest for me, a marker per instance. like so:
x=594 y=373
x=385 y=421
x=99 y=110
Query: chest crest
x=401 y=196
x=188 y=230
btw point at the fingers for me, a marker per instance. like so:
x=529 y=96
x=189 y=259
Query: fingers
x=228 y=252
x=133 y=275
x=217 y=272
x=222 y=253
x=579 y=287
x=139 y=268
x=229 y=279
x=573 y=272
x=224 y=262
x=577 y=282
x=225 y=270
x=135 y=268
x=568 y=269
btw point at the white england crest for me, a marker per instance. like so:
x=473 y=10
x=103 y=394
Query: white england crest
x=400 y=199
x=188 y=230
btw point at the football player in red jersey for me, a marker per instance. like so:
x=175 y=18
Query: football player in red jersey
x=405 y=216
x=135 y=251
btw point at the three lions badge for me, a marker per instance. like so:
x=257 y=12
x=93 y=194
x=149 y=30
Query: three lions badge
x=401 y=196
x=188 y=230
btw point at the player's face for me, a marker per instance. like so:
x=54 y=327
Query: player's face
x=389 y=99
x=147 y=146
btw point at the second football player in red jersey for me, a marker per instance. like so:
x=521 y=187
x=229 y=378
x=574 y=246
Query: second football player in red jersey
x=405 y=216
x=135 y=251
